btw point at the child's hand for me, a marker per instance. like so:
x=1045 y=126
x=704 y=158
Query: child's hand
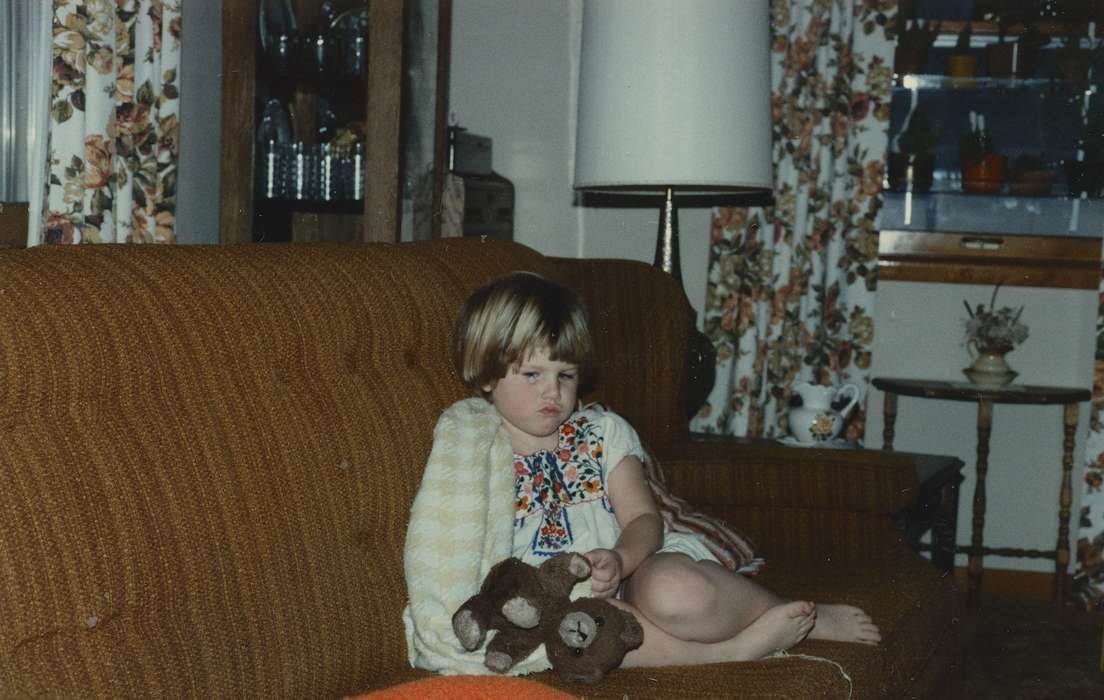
x=605 y=572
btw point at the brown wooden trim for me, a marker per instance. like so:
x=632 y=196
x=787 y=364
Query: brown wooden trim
x=381 y=148
x=964 y=244
x=989 y=258
x=1008 y=275
x=440 y=126
x=239 y=68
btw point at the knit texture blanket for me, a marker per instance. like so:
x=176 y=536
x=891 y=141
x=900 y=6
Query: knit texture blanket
x=461 y=524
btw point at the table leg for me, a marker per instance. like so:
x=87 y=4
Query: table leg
x=889 y=414
x=984 y=428
x=1065 y=498
x=944 y=531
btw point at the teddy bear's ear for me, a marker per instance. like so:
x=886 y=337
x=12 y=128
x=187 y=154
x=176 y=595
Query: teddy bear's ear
x=633 y=634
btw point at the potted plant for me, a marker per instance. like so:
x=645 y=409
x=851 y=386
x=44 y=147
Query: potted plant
x=913 y=147
x=962 y=62
x=1030 y=176
x=991 y=333
x=982 y=167
x=914 y=39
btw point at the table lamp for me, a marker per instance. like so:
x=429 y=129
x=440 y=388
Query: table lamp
x=674 y=103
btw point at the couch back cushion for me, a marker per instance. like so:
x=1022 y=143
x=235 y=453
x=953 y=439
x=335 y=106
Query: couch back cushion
x=640 y=319
x=208 y=454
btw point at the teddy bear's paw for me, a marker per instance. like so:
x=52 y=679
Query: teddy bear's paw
x=498 y=661
x=521 y=612
x=579 y=566
x=468 y=630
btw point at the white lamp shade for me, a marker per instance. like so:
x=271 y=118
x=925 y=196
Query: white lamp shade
x=674 y=93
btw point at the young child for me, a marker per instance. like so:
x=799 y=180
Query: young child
x=523 y=342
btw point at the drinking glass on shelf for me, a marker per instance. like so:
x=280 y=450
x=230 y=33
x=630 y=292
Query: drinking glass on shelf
x=282 y=52
x=321 y=53
x=355 y=49
x=275 y=122
x=297 y=174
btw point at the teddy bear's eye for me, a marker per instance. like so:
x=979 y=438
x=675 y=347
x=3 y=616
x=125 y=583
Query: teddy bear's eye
x=577 y=651
x=599 y=620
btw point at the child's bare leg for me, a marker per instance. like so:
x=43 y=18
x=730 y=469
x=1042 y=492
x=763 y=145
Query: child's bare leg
x=702 y=601
x=699 y=601
x=777 y=629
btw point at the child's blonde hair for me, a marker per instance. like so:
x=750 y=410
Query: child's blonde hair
x=501 y=324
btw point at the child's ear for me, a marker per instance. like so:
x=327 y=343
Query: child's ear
x=488 y=388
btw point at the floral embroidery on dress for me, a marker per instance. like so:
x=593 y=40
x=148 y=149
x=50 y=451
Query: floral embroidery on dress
x=551 y=480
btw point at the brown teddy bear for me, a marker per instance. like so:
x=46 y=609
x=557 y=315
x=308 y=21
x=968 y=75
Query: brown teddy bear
x=528 y=606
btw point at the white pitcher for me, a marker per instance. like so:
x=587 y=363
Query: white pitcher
x=815 y=420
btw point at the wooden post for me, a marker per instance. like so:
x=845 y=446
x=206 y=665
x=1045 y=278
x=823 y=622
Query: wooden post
x=381 y=147
x=239 y=71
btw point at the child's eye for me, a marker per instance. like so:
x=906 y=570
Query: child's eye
x=531 y=376
x=567 y=376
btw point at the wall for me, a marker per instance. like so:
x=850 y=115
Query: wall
x=197 y=185
x=513 y=78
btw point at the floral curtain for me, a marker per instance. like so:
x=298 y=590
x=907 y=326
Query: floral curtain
x=1088 y=574
x=791 y=287
x=113 y=121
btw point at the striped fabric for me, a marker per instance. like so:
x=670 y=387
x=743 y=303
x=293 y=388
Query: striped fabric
x=731 y=548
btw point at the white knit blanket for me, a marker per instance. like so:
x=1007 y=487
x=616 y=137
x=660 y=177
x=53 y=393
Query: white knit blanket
x=461 y=524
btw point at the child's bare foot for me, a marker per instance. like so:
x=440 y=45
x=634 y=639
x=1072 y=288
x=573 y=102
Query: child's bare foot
x=844 y=623
x=778 y=629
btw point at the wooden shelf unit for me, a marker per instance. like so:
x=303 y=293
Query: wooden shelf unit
x=379 y=219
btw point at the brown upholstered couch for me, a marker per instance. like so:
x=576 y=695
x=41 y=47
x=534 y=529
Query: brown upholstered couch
x=207 y=456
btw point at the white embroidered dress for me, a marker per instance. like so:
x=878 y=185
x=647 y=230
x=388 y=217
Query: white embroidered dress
x=560 y=495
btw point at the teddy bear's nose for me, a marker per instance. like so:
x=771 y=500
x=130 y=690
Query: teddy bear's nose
x=577 y=630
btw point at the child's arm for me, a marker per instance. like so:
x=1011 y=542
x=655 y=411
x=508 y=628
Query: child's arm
x=641 y=528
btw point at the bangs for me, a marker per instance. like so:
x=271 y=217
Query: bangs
x=546 y=324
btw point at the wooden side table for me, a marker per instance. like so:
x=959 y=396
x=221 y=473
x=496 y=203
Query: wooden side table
x=985 y=397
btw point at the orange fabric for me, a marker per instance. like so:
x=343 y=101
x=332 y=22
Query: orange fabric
x=479 y=687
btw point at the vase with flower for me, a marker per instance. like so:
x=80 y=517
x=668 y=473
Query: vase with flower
x=992 y=333
x=982 y=167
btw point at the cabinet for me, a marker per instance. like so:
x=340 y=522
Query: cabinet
x=995 y=169
x=372 y=106
x=13 y=224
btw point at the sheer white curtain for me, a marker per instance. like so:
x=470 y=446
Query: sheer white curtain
x=25 y=37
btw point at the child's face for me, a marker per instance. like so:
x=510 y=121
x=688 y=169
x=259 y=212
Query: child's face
x=534 y=398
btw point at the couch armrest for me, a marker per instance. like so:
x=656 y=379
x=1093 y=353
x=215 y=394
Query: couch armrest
x=748 y=473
